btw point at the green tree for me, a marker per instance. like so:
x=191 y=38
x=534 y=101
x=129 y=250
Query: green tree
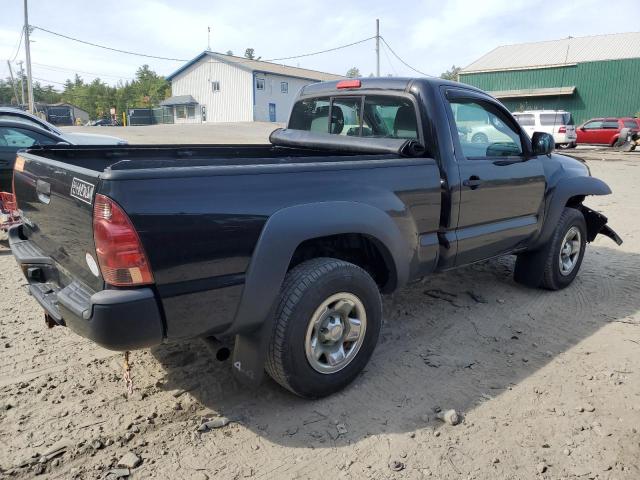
x=353 y=72
x=250 y=54
x=229 y=52
x=451 y=74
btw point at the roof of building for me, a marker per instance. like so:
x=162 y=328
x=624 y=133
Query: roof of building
x=259 y=66
x=178 y=100
x=554 y=53
x=533 y=92
x=66 y=104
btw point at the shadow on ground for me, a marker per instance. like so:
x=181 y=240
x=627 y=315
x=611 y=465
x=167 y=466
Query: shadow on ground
x=453 y=353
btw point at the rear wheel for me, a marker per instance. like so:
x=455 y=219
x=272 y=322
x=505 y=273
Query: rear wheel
x=326 y=327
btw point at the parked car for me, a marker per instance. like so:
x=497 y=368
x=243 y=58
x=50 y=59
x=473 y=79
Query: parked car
x=558 y=123
x=16 y=115
x=604 y=131
x=17 y=135
x=104 y=122
x=287 y=247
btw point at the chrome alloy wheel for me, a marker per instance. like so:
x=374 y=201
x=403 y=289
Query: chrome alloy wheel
x=335 y=333
x=570 y=251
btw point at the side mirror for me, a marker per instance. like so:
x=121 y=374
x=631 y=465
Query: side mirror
x=542 y=143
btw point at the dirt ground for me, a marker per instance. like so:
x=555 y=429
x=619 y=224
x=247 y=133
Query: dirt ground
x=548 y=384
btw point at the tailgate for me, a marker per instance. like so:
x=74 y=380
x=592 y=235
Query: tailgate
x=56 y=201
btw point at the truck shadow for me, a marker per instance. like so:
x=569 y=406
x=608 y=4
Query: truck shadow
x=440 y=345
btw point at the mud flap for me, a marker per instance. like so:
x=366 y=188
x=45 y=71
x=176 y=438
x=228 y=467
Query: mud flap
x=248 y=359
x=529 y=269
x=250 y=354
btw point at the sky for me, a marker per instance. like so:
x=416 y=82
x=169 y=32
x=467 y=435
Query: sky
x=429 y=35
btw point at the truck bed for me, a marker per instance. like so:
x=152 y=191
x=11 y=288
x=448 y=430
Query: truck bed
x=138 y=157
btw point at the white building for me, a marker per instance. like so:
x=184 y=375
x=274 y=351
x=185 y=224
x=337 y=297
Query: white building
x=222 y=88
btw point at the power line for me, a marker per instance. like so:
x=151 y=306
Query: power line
x=19 y=45
x=402 y=61
x=109 y=48
x=321 y=51
x=389 y=61
x=63 y=69
x=187 y=60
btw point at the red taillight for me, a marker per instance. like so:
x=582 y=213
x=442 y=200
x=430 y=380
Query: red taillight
x=562 y=130
x=120 y=253
x=349 y=84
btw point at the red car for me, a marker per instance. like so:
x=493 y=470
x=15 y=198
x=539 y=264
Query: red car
x=604 y=131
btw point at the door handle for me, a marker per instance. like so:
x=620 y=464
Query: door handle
x=472 y=182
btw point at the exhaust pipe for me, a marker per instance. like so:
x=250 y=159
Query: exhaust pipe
x=220 y=350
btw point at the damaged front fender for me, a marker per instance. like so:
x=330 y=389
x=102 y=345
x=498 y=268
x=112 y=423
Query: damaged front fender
x=597 y=224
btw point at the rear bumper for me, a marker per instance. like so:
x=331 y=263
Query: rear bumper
x=115 y=319
x=562 y=138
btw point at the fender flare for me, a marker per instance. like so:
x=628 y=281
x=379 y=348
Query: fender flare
x=281 y=235
x=563 y=191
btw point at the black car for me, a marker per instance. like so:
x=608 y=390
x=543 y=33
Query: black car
x=287 y=247
x=16 y=136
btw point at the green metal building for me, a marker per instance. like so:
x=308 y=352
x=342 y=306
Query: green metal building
x=595 y=76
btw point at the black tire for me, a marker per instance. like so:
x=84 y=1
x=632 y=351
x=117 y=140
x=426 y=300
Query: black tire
x=479 y=138
x=553 y=278
x=305 y=288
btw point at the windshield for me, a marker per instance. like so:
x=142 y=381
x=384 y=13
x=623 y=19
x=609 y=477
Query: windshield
x=369 y=116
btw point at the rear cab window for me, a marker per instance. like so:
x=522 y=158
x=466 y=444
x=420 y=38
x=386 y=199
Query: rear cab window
x=378 y=116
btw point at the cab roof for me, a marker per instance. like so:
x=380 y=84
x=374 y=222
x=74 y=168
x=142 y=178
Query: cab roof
x=379 y=83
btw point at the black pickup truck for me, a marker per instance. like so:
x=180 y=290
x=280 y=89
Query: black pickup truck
x=285 y=248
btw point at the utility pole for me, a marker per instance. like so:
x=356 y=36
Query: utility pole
x=13 y=82
x=27 y=48
x=21 y=81
x=209 y=39
x=377 y=46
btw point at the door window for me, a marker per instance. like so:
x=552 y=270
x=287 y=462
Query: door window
x=484 y=130
x=525 y=119
x=610 y=124
x=593 y=125
x=21 y=138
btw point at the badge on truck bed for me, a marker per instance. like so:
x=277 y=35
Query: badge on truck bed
x=82 y=190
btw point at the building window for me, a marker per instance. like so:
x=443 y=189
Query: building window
x=215 y=86
x=259 y=83
x=186 y=112
x=284 y=87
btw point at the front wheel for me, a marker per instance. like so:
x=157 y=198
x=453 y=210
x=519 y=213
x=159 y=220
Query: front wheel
x=567 y=247
x=326 y=327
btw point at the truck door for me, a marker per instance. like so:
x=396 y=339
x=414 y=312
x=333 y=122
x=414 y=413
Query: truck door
x=501 y=184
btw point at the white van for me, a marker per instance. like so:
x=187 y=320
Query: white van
x=558 y=123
